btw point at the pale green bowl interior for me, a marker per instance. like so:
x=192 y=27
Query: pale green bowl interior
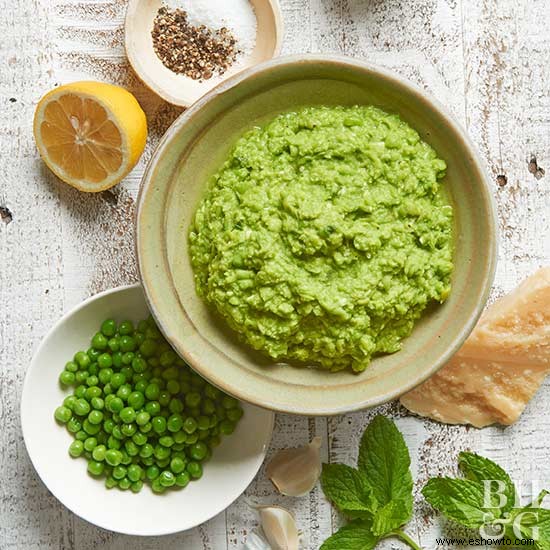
x=196 y=146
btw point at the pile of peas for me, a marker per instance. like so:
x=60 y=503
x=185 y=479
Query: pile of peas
x=138 y=413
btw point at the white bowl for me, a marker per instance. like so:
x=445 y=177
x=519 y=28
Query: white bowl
x=232 y=467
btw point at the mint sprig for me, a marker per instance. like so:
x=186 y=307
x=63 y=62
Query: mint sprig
x=486 y=498
x=377 y=495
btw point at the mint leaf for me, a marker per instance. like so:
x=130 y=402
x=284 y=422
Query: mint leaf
x=534 y=523
x=479 y=468
x=356 y=535
x=347 y=489
x=460 y=500
x=384 y=459
x=390 y=517
x=538 y=501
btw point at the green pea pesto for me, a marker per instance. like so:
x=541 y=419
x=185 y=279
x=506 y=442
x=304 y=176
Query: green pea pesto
x=325 y=235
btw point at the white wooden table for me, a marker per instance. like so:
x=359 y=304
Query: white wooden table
x=487 y=60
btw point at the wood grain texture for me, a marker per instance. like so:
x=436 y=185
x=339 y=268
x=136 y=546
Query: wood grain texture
x=487 y=60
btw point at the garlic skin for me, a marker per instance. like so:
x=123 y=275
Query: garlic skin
x=294 y=472
x=279 y=527
x=256 y=542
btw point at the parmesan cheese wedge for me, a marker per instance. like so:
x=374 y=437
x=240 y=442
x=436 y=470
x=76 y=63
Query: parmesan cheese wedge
x=500 y=366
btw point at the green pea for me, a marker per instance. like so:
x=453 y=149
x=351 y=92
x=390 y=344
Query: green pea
x=190 y=425
x=146 y=450
x=127 y=372
x=99 y=342
x=180 y=437
x=214 y=441
x=116 y=404
x=76 y=448
x=107 y=389
x=110 y=482
x=148 y=347
x=117 y=380
x=93 y=354
x=152 y=391
x=131 y=448
x=183 y=479
x=208 y=407
x=161 y=452
x=92 y=380
x=97 y=403
x=192 y=438
x=113 y=457
x=139 y=439
x=95 y=468
x=194 y=469
x=152 y=472
x=229 y=402
x=81 y=435
x=114 y=345
x=174 y=423
x=235 y=414
x=134 y=472
x=164 y=398
x=127 y=358
x=153 y=407
x=114 y=443
x=126 y=458
x=82 y=360
x=126 y=328
x=93 y=391
x=127 y=414
x=108 y=327
x=81 y=376
x=90 y=444
x=166 y=441
x=127 y=343
x=128 y=429
x=146 y=428
x=140 y=386
x=117 y=359
x=198 y=451
x=177 y=465
x=71 y=366
x=108 y=425
x=172 y=387
x=203 y=422
x=67 y=378
x=136 y=486
x=63 y=414
x=159 y=424
x=136 y=400
x=99 y=453
x=88 y=427
x=124 y=484
x=119 y=472
x=105 y=361
x=117 y=433
x=74 y=425
x=95 y=417
x=193 y=399
x=176 y=406
x=139 y=338
x=142 y=326
x=153 y=362
x=167 y=478
x=142 y=418
x=139 y=365
x=157 y=487
x=227 y=427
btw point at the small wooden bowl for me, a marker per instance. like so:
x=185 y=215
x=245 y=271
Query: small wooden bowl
x=179 y=89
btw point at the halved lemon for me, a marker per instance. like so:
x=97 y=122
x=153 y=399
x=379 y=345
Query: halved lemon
x=90 y=134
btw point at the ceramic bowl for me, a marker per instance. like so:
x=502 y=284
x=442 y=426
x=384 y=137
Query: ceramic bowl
x=195 y=147
x=179 y=89
x=231 y=468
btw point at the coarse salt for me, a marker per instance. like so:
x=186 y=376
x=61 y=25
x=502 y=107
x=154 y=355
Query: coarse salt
x=237 y=15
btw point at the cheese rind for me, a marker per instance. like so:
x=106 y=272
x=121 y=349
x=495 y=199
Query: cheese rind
x=500 y=366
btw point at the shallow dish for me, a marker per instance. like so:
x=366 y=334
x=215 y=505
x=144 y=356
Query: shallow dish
x=179 y=89
x=232 y=467
x=195 y=147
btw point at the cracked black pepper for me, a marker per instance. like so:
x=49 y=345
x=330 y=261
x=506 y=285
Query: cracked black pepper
x=198 y=52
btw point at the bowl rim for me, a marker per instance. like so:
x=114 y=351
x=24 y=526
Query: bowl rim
x=420 y=95
x=151 y=83
x=38 y=468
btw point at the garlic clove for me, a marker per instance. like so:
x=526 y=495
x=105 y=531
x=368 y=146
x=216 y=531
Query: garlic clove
x=294 y=472
x=279 y=527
